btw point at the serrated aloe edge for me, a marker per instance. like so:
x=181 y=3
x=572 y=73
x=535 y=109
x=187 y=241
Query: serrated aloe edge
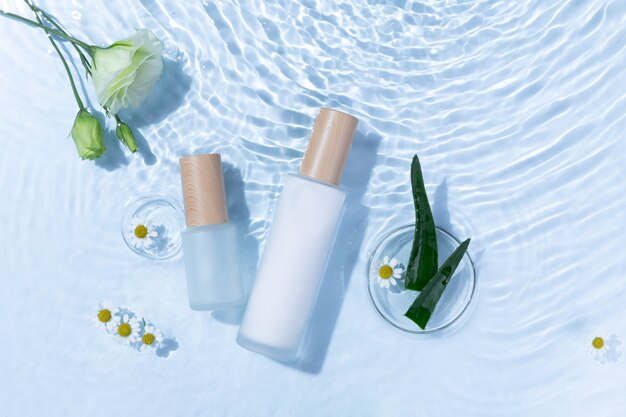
x=422 y=308
x=423 y=259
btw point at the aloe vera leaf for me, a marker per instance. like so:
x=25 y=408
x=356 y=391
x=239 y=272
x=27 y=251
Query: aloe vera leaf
x=422 y=264
x=425 y=303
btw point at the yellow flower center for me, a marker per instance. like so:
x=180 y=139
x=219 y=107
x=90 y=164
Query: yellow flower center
x=385 y=272
x=141 y=231
x=104 y=315
x=597 y=343
x=148 y=338
x=124 y=330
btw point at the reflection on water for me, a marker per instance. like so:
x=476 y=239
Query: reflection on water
x=516 y=110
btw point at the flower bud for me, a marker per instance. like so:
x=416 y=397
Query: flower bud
x=88 y=136
x=125 y=134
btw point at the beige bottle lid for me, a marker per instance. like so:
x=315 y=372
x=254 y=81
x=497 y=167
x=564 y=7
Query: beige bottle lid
x=329 y=145
x=203 y=190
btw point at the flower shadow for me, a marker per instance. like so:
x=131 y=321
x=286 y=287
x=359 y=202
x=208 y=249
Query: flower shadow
x=167 y=95
x=161 y=241
x=144 y=147
x=168 y=345
x=114 y=157
x=345 y=254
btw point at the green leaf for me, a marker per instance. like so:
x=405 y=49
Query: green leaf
x=425 y=303
x=423 y=260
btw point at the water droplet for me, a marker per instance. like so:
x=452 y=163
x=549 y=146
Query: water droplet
x=172 y=51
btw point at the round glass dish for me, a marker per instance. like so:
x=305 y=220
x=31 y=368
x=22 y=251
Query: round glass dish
x=151 y=227
x=393 y=301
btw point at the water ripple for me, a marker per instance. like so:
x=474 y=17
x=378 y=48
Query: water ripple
x=517 y=110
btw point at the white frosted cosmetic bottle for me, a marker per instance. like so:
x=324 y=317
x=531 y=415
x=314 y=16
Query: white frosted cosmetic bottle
x=210 y=244
x=296 y=252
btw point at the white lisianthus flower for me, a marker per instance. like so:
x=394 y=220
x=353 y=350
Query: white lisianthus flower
x=124 y=72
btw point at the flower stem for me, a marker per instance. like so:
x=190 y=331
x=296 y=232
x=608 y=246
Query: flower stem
x=51 y=20
x=81 y=106
x=60 y=34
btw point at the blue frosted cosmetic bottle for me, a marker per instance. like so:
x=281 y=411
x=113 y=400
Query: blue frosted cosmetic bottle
x=210 y=242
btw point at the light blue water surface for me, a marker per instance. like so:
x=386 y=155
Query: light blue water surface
x=517 y=110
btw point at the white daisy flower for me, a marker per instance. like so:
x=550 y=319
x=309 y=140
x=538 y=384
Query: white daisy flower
x=140 y=232
x=389 y=272
x=106 y=316
x=151 y=339
x=605 y=349
x=128 y=329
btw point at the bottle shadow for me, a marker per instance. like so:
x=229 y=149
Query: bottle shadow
x=239 y=214
x=345 y=253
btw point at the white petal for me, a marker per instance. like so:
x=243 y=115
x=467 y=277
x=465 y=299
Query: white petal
x=386 y=260
x=393 y=281
x=393 y=263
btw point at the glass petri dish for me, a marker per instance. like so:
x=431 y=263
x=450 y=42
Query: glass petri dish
x=151 y=227
x=391 y=303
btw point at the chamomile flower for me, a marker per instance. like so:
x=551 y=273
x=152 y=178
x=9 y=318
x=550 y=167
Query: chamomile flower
x=605 y=349
x=106 y=316
x=140 y=232
x=151 y=338
x=127 y=329
x=389 y=272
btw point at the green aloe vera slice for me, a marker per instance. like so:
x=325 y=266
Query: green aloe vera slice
x=422 y=264
x=425 y=303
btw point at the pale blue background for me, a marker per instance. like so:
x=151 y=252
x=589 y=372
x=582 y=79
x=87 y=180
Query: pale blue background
x=517 y=110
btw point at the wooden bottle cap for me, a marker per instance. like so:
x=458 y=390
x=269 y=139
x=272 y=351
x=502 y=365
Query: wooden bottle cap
x=203 y=190
x=328 y=146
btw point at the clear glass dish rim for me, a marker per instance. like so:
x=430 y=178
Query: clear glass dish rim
x=153 y=197
x=379 y=242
